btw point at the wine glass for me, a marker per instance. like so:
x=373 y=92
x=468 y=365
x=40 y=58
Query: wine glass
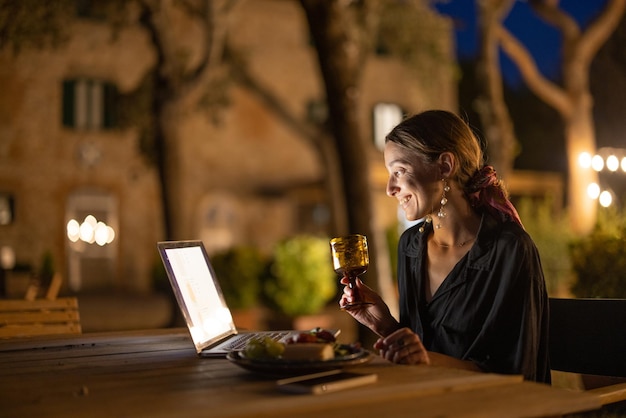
x=351 y=259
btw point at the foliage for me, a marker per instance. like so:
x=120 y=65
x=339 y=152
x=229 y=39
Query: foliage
x=393 y=236
x=406 y=31
x=552 y=235
x=160 y=281
x=599 y=259
x=301 y=279
x=46 y=270
x=239 y=271
x=33 y=23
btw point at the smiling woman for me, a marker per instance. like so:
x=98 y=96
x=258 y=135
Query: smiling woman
x=471 y=287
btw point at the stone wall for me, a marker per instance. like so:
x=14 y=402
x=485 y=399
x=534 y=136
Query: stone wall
x=238 y=179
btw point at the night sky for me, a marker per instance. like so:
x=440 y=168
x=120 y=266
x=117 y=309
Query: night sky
x=542 y=39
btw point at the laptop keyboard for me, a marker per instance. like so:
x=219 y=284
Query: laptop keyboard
x=241 y=341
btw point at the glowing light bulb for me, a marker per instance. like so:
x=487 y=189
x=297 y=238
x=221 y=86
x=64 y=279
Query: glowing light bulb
x=111 y=235
x=73 y=230
x=612 y=163
x=86 y=232
x=584 y=160
x=101 y=234
x=593 y=190
x=597 y=163
x=606 y=199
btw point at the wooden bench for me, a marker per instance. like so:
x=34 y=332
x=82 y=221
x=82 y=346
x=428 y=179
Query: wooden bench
x=588 y=337
x=23 y=318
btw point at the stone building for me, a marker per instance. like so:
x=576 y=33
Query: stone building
x=248 y=180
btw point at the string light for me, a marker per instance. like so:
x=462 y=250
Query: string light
x=605 y=199
x=612 y=163
x=593 y=190
x=611 y=159
x=597 y=163
x=584 y=160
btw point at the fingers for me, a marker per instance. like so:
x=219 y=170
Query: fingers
x=349 y=292
x=347 y=296
x=403 y=347
x=410 y=354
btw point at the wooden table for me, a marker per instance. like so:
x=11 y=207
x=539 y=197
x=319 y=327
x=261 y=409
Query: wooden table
x=158 y=374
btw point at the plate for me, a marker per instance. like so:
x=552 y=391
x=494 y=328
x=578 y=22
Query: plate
x=280 y=367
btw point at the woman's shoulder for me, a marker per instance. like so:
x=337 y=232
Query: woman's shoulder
x=514 y=240
x=507 y=233
x=409 y=241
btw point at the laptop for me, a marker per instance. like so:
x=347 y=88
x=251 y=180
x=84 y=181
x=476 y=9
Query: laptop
x=202 y=302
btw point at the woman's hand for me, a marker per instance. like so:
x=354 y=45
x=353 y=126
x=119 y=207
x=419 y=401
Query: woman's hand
x=375 y=315
x=404 y=347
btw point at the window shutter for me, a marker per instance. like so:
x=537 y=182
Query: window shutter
x=68 y=103
x=110 y=102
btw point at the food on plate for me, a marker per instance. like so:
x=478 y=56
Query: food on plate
x=263 y=348
x=316 y=335
x=308 y=351
x=314 y=345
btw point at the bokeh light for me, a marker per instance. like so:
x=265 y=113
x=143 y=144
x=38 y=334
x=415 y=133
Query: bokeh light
x=597 y=163
x=606 y=199
x=593 y=190
x=612 y=163
x=584 y=160
x=91 y=231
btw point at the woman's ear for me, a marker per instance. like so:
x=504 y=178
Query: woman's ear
x=447 y=164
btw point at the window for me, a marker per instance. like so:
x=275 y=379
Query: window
x=88 y=104
x=386 y=116
x=6 y=209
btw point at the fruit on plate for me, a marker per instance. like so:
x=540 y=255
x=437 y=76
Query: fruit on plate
x=316 y=335
x=263 y=348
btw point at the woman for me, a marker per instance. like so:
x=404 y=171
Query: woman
x=471 y=286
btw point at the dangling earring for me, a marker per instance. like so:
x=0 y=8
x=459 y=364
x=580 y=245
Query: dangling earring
x=427 y=220
x=442 y=213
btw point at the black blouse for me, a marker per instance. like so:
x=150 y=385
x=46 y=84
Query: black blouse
x=491 y=309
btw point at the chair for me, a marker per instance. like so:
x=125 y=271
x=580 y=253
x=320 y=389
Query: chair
x=23 y=318
x=588 y=337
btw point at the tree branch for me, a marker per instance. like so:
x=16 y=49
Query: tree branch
x=241 y=74
x=548 y=91
x=601 y=29
x=550 y=12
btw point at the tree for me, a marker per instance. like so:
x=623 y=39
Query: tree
x=314 y=132
x=490 y=104
x=342 y=33
x=177 y=84
x=573 y=99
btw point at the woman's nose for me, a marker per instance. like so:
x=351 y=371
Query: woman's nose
x=392 y=189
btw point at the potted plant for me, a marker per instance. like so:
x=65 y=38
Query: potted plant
x=300 y=283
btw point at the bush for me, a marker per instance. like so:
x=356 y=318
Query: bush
x=599 y=259
x=552 y=236
x=239 y=271
x=301 y=280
